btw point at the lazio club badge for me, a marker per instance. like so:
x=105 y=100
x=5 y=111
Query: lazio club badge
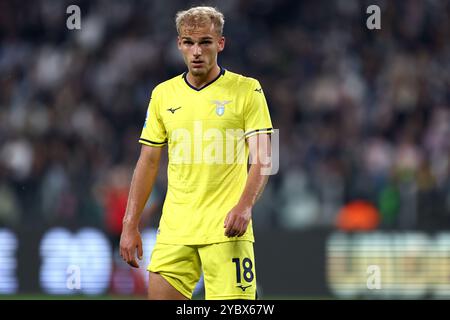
x=220 y=106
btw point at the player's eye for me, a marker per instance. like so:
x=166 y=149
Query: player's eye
x=187 y=42
x=207 y=42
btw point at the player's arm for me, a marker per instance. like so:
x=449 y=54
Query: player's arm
x=141 y=186
x=238 y=218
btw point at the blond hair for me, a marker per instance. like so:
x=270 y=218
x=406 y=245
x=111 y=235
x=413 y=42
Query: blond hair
x=199 y=17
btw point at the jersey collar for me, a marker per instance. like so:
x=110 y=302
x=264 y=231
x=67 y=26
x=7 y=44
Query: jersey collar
x=221 y=73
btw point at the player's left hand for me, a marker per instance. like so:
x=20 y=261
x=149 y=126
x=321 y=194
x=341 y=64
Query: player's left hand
x=237 y=220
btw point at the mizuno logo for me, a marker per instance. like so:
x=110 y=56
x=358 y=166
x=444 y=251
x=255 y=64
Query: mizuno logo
x=243 y=288
x=173 y=110
x=259 y=90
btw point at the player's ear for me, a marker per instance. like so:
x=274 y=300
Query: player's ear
x=221 y=44
x=179 y=42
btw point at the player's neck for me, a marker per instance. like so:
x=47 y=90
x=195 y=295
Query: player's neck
x=200 y=81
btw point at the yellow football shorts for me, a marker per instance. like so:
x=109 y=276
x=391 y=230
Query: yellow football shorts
x=228 y=268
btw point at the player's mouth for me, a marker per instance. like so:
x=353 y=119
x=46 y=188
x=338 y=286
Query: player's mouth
x=197 y=63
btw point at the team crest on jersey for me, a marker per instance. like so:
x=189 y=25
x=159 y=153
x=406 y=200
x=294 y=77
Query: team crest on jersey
x=220 y=106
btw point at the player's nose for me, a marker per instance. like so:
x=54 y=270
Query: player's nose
x=197 y=50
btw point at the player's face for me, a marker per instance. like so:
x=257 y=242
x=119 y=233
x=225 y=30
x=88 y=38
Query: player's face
x=200 y=47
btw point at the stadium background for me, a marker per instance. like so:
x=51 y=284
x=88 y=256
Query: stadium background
x=360 y=207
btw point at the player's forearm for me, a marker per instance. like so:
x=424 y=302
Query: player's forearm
x=258 y=175
x=256 y=182
x=144 y=177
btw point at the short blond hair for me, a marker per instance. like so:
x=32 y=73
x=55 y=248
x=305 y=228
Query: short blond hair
x=199 y=17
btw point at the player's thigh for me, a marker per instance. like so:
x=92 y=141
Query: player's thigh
x=229 y=270
x=179 y=265
x=161 y=289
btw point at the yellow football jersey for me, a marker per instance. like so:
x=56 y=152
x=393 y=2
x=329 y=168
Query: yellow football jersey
x=205 y=130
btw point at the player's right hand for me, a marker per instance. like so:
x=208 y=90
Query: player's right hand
x=130 y=241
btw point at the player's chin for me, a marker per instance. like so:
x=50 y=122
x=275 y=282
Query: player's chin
x=198 y=71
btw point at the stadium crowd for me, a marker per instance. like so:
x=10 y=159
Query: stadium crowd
x=362 y=114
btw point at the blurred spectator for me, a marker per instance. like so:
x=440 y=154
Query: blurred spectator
x=9 y=209
x=358 y=215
